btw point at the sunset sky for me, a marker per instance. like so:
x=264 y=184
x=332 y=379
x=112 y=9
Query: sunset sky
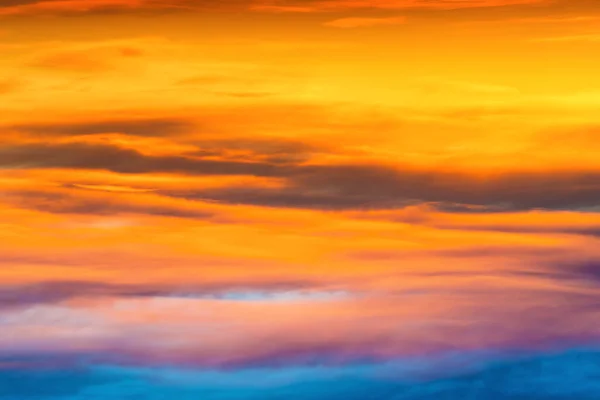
x=310 y=199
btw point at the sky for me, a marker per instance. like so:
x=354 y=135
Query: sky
x=300 y=199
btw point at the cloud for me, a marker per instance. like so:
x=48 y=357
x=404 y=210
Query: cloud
x=376 y=186
x=465 y=218
x=124 y=160
x=200 y=326
x=574 y=229
x=337 y=5
x=364 y=22
x=78 y=62
x=110 y=203
x=585 y=269
x=149 y=127
x=50 y=292
x=91 y=60
x=18 y=7
x=267 y=149
x=326 y=186
x=205 y=332
x=112 y=188
x=85 y=6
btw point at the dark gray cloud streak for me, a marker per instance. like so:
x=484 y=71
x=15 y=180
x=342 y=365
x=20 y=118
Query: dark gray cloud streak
x=155 y=127
x=341 y=186
x=122 y=160
x=72 y=202
x=377 y=186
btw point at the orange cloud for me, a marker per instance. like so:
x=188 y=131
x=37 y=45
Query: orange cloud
x=364 y=22
x=67 y=6
x=95 y=59
x=82 y=6
x=331 y=5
